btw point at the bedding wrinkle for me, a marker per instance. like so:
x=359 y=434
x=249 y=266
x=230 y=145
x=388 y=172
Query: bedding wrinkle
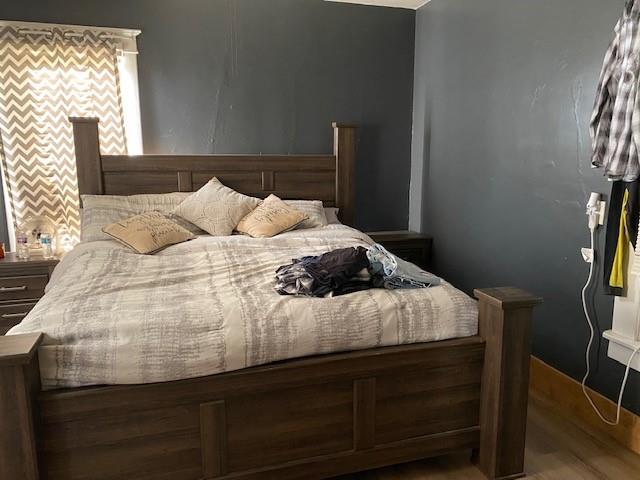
x=208 y=306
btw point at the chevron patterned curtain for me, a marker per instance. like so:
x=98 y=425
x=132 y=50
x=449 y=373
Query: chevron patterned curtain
x=45 y=77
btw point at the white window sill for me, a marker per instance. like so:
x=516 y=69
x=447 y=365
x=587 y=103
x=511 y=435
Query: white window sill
x=624 y=335
x=621 y=347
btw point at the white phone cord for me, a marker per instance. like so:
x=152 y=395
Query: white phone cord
x=588 y=352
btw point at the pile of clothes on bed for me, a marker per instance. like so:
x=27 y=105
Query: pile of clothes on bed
x=349 y=270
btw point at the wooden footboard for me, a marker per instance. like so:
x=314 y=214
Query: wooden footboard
x=309 y=418
x=19 y=389
x=505 y=326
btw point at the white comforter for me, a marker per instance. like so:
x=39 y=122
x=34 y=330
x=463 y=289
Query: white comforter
x=207 y=306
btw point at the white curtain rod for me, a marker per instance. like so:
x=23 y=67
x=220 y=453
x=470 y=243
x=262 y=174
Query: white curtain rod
x=76 y=34
x=35 y=28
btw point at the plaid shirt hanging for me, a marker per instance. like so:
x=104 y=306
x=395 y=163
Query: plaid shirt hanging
x=615 y=123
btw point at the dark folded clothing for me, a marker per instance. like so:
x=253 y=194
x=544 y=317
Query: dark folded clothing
x=349 y=270
x=334 y=273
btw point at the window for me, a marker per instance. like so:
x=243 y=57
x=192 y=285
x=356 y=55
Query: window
x=624 y=335
x=47 y=74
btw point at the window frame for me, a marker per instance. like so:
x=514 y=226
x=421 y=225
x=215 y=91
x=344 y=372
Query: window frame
x=127 y=63
x=624 y=335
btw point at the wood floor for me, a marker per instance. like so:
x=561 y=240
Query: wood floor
x=556 y=450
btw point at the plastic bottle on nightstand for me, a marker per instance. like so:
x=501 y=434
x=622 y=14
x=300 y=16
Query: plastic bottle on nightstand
x=45 y=243
x=22 y=245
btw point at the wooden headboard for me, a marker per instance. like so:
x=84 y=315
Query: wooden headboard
x=326 y=177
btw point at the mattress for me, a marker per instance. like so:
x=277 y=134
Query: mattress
x=207 y=306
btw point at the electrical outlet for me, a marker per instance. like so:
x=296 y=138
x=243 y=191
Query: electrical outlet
x=601 y=212
x=587 y=255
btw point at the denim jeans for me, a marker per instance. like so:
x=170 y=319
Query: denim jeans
x=389 y=271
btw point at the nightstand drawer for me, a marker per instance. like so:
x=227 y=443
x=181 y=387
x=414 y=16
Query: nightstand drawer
x=413 y=255
x=12 y=314
x=21 y=287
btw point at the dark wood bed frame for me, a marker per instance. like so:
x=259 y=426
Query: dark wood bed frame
x=307 y=418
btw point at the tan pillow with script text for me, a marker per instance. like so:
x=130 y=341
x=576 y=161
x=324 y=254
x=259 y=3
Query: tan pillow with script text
x=148 y=232
x=270 y=218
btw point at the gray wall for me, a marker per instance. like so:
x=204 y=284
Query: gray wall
x=244 y=76
x=503 y=95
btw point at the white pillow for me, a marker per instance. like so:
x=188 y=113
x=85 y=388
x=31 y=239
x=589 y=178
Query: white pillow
x=313 y=209
x=98 y=211
x=215 y=208
x=332 y=216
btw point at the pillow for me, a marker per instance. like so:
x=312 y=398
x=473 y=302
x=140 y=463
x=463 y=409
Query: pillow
x=271 y=217
x=314 y=211
x=215 y=208
x=99 y=211
x=332 y=216
x=148 y=232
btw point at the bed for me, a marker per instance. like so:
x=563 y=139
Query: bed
x=332 y=387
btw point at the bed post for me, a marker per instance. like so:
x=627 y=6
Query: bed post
x=344 y=149
x=19 y=386
x=88 y=163
x=505 y=325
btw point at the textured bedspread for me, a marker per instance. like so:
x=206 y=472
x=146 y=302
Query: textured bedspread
x=207 y=306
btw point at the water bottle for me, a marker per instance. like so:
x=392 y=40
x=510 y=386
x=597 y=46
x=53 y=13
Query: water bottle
x=45 y=243
x=22 y=245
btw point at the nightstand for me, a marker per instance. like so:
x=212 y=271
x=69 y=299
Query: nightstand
x=22 y=284
x=411 y=246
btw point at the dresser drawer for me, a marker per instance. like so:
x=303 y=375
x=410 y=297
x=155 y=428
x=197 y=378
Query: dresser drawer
x=12 y=314
x=22 y=287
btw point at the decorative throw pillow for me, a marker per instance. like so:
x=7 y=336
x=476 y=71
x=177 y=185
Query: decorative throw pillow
x=215 y=208
x=272 y=217
x=314 y=211
x=98 y=211
x=148 y=232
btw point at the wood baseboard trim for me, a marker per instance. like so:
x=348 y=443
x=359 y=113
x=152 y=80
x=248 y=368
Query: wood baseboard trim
x=565 y=395
x=513 y=477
